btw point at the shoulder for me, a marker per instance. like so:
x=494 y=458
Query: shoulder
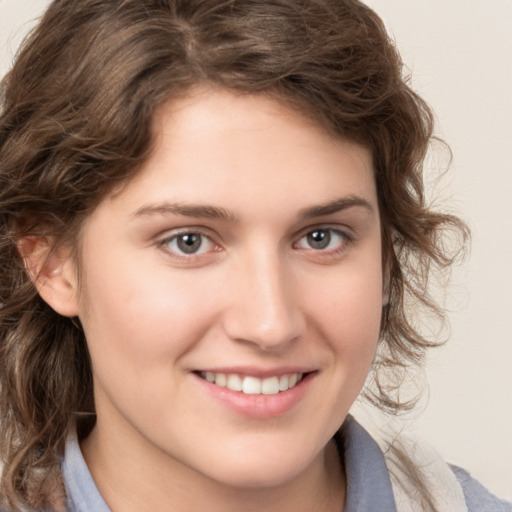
x=478 y=498
x=417 y=471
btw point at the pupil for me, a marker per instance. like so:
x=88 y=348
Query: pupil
x=319 y=239
x=189 y=243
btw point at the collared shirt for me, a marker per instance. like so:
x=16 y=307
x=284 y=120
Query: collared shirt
x=368 y=484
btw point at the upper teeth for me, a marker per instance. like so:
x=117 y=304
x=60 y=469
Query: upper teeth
x=253 y=385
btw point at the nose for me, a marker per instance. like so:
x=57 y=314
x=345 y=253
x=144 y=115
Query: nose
x=263 y=305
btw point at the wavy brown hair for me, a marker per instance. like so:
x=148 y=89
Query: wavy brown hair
x=76 y=120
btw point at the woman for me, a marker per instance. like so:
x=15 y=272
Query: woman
x=212 y=217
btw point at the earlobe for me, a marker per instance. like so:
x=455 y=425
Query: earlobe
x=52 y=271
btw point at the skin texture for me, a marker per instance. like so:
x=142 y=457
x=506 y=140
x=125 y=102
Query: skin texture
x=256 y=297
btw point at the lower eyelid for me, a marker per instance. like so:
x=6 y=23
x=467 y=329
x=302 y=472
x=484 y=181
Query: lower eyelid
x=165 y=244
x=345 y=238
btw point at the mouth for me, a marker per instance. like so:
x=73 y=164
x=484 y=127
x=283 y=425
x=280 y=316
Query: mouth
x=251 y=385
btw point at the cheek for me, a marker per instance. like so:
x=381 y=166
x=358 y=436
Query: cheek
x=142 y=322
x=351 y=301
x=348 y=314
x=139 y=337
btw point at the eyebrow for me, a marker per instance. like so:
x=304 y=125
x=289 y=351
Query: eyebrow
x=218 y=213
x=336 y=206
x=187 y=210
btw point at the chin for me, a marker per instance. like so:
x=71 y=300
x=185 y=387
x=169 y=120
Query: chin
x=241 y=471
x=259 y=478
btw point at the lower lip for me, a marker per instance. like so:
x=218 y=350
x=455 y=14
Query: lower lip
x=258 y=406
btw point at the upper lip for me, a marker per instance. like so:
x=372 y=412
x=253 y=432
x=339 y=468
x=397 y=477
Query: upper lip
x=259 y=372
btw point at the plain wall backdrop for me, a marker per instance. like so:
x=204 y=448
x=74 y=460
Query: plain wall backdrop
x=460 y=57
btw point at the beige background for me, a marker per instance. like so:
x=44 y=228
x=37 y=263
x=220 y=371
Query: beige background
x=460 y=54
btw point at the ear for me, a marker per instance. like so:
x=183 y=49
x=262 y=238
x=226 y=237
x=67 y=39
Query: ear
x=52 y=272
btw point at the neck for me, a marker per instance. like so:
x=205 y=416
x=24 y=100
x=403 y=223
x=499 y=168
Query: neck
x=130 y=485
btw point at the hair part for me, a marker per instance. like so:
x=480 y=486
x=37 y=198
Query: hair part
x=76 y=121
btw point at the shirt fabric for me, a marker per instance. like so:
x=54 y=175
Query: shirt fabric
x=368 y=484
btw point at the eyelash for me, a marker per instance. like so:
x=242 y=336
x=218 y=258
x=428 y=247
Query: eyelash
x=175 y=239
x=344 y=239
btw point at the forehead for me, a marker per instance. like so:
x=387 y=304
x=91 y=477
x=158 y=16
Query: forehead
x=246 y=152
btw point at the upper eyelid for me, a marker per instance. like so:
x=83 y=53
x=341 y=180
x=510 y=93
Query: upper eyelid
x=163 y=242
x=217 y=239
x=169 y=234
x=346 y=241
x=343 y=229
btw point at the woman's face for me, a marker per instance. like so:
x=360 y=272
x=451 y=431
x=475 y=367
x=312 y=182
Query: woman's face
x=245 y=256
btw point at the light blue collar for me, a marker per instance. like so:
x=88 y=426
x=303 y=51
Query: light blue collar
x=368 y=485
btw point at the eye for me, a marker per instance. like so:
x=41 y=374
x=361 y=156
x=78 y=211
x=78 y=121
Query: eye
x=188 y=243
x=323 y=239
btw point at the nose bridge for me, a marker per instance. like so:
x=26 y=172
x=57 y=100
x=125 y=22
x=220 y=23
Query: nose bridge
x=263 y=310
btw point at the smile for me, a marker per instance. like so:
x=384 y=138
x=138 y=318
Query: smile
x=253 y=385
